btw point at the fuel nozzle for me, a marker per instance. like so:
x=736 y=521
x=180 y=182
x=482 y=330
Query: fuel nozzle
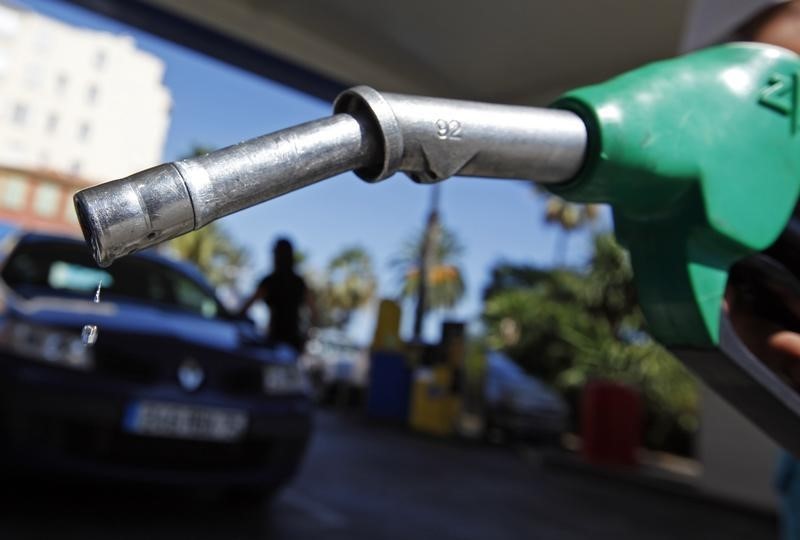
x=157 y=204
x=374 y=134
x=699 y=156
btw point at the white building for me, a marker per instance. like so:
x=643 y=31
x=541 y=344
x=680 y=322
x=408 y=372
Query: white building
x=80 y=102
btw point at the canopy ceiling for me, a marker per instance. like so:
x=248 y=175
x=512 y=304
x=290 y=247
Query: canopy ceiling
x=511 y=51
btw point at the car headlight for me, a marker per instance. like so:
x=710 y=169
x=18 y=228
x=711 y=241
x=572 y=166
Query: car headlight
x=284 y=379
x=48 y=346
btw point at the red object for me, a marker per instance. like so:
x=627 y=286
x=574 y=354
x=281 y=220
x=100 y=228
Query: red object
x=611 y=423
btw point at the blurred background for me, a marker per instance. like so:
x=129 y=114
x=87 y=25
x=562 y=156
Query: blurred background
x=523 y=397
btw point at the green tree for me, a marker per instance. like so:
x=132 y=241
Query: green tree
x=444 y=276
x=348 y=284
x=211 y=248
x=570 y=327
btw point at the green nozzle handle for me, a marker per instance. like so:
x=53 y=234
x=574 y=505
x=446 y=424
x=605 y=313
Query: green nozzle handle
x=700 y=158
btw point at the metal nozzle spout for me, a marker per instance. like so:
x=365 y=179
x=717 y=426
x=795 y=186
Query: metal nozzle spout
x=372 y=133
x=155 y=205
x=130 y=214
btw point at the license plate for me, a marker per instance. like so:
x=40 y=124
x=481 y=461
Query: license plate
x=172 y=420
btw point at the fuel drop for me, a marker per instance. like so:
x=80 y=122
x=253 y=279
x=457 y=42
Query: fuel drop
x=89 y=332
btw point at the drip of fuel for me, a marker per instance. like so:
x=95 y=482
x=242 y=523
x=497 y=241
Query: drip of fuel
x=89 y=332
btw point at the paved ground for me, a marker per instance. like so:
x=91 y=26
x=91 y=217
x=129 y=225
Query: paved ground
x=362 y=481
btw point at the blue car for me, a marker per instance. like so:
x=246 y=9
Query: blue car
x=175 y=390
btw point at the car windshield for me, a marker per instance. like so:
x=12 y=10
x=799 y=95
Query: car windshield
x=47 y=268
x=503 y=368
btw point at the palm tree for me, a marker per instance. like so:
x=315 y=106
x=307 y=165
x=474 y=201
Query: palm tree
x=349 y=284
x=569 y=217
x=213 y=252
x=444 y=281
x=436 y=250
x=210 y=249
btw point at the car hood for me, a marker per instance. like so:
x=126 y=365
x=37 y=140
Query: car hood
x=133 y=318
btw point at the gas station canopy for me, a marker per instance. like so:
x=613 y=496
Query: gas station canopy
x=510 y=51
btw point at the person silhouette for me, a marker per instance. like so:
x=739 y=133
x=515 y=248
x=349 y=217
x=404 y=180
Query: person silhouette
x=285 y=293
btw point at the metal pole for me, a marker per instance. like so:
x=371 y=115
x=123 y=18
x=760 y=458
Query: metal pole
x=430 y=241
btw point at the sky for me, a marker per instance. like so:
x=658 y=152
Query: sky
x=216 y=105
